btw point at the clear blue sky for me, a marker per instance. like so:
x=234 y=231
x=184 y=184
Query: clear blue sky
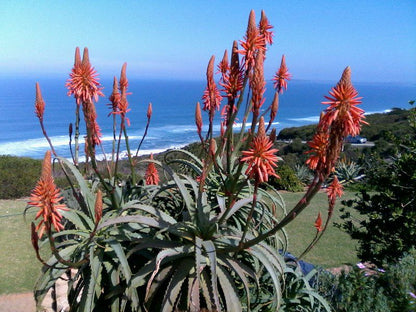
x=171 y=39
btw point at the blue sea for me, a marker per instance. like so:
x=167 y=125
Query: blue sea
x=172 y=123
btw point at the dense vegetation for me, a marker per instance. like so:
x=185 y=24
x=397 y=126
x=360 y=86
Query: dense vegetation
x=18 y=176
x=389 y=290
x=387 y=201
x=380 y=126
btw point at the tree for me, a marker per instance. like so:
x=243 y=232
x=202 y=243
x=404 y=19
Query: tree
x=388 y=204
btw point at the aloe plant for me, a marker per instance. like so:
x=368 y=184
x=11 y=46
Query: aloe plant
x=211 y=235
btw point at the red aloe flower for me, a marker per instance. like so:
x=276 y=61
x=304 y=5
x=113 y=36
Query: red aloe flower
x=39 y=103
x=46 y=196
x=124 y=83
x=212 y=98
x=198 y=118
x=223 y=66
x=264 y=28
x=83 y=82
x=334 y=190
x=319 y=147
x=258 y=84
x=282 y=76
x=93 y=129
x=115 y=98
x=273 y=109
x=318 y=223
x=260 y=158
x=343 y=101
x=253 y=42
x=151 y=176
x=149 y=111
x=232 y=81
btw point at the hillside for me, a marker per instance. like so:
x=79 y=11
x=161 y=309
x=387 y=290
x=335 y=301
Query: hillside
x=379 y=125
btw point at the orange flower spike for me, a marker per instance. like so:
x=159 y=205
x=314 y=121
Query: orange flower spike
x=149 y=111
x=198 y=118
x=213 y=148
x=258 y=84
x=83 y=82
x=212 y=98
x=223 y=66
x=319 y=146
x=334 y=190
x=46 y=196
x=261 y=131
x=282 y=76
x=253 y=42
x=124 y=83
x=318 y=223
x=272 y=135
x=98 y=206
x=77 y=61
x=264 y=28
x=260 y=159
x=115 y=98
x=342 y=106
x=274 y=107
x=39 y=103
x=151 y=176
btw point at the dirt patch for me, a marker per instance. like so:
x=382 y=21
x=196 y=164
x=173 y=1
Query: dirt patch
x=17 y=303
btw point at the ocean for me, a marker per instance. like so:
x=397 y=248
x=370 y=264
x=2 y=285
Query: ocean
x=173 y=102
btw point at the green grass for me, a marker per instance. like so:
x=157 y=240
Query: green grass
x=335 y=247
x=19 y=267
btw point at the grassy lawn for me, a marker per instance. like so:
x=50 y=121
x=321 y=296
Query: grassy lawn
x=18 y=264
x=335 y=247
x=19 y=267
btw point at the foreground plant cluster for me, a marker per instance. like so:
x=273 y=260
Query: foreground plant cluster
x=207 y=235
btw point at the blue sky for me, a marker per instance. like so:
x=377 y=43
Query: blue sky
x=175 y=39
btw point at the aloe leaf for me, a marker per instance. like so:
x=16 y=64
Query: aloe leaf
x=232 y=300
x=139 y=278
x=92 y=278
x=183 y=190
x=151 y=210
x=212 y=256
x=85 y=190
x=270 y=266
x=133 y=219
x=79 y=219
x=241 y=270
x=125 y=267
x=167 y=253
x=191 y=155
x=193 y=304
x=240 y=203
x=87 y=296
x=206 y=291
x=175 y=284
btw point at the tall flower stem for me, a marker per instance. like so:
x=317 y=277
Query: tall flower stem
x=300 y=206
x=76 y=136
x=133 y=174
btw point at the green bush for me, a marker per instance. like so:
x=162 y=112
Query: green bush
x=288 y=180
x=18 y=176
x=388 y=228
x=389 y=290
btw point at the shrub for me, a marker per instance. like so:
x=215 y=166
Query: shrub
x=387 y=228
x=388 y=290
x=18 y=176
x=287 y=180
